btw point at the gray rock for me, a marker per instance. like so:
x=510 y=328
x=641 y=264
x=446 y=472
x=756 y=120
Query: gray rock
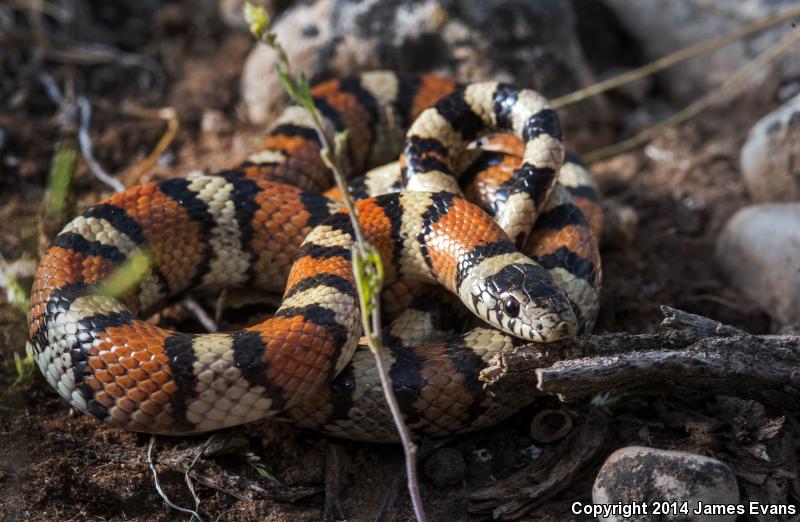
x=770 y=157
x=531 y=43
x=758 y=251
x=446 y=467
x=230 y=11
x=640 y=474
x=664 y=27
x=620 y=223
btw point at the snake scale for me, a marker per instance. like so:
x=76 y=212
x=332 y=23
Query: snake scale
x=521 y=259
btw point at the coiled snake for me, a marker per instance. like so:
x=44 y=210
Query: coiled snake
x=527 y=268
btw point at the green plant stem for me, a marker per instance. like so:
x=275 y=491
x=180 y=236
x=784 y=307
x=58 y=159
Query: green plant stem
x=61 y=170
x=367 y=267
x=370 y=318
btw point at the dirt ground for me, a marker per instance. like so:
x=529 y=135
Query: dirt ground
x=59 y=465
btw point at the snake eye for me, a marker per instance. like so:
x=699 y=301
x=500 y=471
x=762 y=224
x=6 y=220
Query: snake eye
x=510 y=306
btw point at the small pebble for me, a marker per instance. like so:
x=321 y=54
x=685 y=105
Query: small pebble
x=214 y=121
x=336 y=38
x=771 y=155
x=232 y=13
x=620 y=222
x=530 y=454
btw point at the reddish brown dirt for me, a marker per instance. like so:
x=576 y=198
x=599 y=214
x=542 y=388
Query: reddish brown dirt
x=58 y=465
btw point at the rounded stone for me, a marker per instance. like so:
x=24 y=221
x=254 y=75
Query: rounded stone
x=336 y=38
x=758 y=252
x=770 y=158
x=620 y=223
x=649 y=475
x=661 y=28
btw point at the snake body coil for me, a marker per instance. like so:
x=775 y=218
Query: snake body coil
x=529 y=279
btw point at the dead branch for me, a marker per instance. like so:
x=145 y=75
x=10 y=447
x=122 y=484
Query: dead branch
x=212 y=475
x=334 y=475
x=691 y=355
x=555 y=471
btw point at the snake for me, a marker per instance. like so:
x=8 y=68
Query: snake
x=522 y=260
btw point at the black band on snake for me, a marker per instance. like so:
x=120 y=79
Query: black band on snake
x=527 y=268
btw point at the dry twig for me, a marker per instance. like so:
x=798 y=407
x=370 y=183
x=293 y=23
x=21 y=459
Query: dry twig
x=675 y=58
x=552 y=473
x=167 y=114
x=692 y=354
x=151 y=463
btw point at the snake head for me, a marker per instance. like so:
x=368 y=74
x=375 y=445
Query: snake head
x=521 y=299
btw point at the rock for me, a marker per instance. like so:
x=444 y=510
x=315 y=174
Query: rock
x=333 y=38
x=770 y=157
x=789 y=329
x=758 y=251
x=231 y=13
x=446 y=467
x=665 y=27
x=620 y=223
x=640 y=474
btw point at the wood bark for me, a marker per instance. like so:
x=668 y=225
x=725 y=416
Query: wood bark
x=690 y=355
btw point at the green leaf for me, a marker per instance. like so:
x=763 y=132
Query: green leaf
x=340 y=141
x=16 y=293
x=128 y=276
x=255 y=461
x=25 y=366
x=286 y=82
x=368 y=271
x=304 y=92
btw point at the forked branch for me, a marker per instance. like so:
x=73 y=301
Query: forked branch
x=690 y=355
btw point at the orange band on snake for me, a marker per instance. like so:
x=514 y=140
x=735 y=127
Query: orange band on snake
x=260 y=225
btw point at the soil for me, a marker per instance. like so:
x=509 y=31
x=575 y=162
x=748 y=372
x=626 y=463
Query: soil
x=56 y=464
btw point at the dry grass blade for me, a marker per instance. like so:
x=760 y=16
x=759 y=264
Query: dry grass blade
x=167 y=114
x=200 y=314
x=187 y=477
x=731 y=86
x=86 y=146
x=164 y=497
x=675 y=58
x=54 y=11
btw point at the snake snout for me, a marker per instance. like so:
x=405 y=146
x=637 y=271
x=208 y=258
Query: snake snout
x=528 y=304
x=556 y=318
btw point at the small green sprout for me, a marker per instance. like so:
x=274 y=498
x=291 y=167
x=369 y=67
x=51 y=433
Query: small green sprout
x=255 y=461
x=61 y=171
x=25 y=366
